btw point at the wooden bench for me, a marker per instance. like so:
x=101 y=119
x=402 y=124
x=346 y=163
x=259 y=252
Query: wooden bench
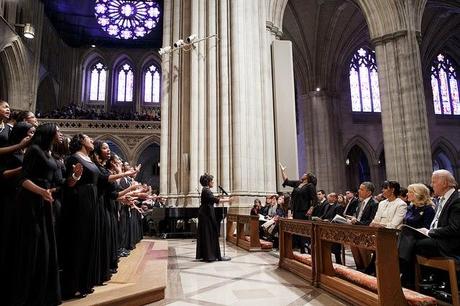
x=232 y=220
x=247 y=233
x=299 y=264
x=354 y=286
x=349 y=284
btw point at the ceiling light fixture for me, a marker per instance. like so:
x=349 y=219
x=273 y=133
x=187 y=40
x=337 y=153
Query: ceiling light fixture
x=186 y=44
x=29 y=31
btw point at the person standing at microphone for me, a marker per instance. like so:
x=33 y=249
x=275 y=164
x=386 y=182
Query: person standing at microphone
x=207 y=242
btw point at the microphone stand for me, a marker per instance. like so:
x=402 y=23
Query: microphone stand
x=224 y=222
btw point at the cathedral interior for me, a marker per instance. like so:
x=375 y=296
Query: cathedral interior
x=350 y=90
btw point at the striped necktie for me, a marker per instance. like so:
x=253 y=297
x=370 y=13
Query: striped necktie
x=434 y=224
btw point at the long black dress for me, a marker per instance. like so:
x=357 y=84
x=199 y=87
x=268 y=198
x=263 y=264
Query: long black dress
x=36 y=281
x=81 y=226
x=302 y=198
x=207 y=242
x=8 y=192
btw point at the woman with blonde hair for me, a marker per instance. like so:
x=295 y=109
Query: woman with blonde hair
x=421 y=210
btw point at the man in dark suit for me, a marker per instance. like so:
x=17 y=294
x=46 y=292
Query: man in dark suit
x=367 y=208
x=352 y=202
x=364 y=215
x=443 y=237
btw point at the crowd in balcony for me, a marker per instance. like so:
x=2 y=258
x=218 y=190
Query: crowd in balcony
x=74 y=111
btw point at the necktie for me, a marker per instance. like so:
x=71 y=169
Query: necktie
x=434 y=224
x=361 y=210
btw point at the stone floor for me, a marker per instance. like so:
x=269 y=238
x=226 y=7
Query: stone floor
x=248 y=279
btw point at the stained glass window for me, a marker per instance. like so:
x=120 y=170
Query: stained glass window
x=151 y=84
x=444 y=84
x=97 y=82
x=364 y=82
x=125 y=83
x=127 y=19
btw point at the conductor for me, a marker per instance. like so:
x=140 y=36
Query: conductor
x=207 y=242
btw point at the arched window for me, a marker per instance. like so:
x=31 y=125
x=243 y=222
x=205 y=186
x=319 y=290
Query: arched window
x=444 y=84
x=151 y=84
x=364 y=83
x=97 y=82
x=125 y=84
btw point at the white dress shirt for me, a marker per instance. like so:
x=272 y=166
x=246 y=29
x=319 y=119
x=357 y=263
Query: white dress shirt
x=441 y=204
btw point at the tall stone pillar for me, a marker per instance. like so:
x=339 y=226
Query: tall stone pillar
x=214 y=101
x=395 y=32
x=321 y=141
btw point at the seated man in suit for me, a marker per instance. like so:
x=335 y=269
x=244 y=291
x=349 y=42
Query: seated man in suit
x=364 y=215
x=352 y=202
x=443 y=237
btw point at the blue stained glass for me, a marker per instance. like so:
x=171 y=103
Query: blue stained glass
x=364 y=85
x=97 y=85
x=127 y=19
x=444 y=84
x=125 y=84
x=152 y=85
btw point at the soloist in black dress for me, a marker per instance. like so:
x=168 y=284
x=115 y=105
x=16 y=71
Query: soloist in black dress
x=207 y=242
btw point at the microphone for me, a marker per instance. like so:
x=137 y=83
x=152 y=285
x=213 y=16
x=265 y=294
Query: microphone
x=222 y=190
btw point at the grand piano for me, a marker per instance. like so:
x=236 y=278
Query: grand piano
x=176 y=222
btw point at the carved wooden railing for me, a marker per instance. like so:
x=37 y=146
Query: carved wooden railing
x=385 y=289
x=380 y=240
x=289 y=228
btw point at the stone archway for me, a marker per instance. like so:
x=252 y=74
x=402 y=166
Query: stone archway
x=46 y=95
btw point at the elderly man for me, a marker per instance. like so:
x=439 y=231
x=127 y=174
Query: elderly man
x=443 y=237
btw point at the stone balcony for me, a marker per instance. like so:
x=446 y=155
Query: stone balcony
x=131 y=137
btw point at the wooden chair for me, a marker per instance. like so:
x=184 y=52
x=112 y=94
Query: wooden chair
x=442 y=263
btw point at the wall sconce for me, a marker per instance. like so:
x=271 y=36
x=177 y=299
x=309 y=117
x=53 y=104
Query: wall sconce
x=186 y=44
x=29 y=31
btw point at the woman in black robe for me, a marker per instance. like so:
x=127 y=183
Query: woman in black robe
x=303 y=197
x=81 y=219
x=207 y=242
x=11 y=171
x=36 y=277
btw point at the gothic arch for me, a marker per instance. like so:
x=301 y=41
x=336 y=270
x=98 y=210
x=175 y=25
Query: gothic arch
x=146 y=142
x=364 y=145
x=382 y=16
x=47 y=94
x=444 y=145
x=18 y=80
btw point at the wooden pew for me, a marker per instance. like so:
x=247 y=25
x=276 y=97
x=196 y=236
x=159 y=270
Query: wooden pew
x=247 y=233
x=354 y=286
x=232 y=220
x=301 y=265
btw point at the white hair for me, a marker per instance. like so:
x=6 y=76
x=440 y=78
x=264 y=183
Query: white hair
x=446 y=176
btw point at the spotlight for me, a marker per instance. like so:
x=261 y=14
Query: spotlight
x=29 y=31
x=179 y=43
x=190 y=39
x=318 y=89
x=164 y=50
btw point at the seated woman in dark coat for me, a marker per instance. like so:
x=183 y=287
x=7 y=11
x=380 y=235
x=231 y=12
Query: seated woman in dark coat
x=421 y=211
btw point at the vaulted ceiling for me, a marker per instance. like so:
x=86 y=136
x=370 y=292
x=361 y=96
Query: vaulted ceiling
x=75 y=22
x=325 y=33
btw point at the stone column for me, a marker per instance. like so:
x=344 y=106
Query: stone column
x=322 y=142
x=404 y=118
x=217 y=105
x=394 y=28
